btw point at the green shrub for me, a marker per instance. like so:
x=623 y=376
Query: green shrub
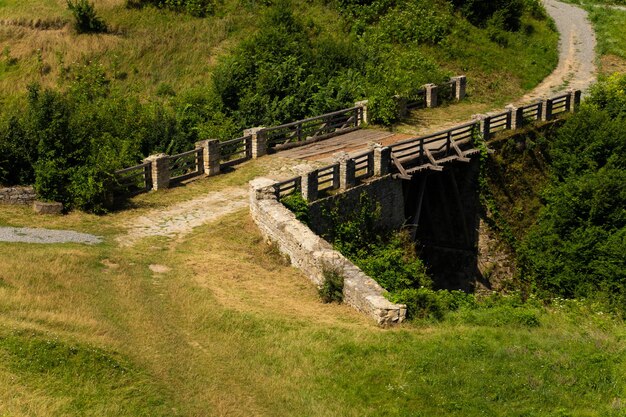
x=425 y=303
x=506 y=14
x=197 y=8
x=332 y=287
x=85 y=18
x=298 y=205
x=576 y=248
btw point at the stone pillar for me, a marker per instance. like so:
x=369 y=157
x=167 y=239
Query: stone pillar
x=460 y=84
x=259 y=141
x=517 y=116
x=546 y=109
x=485 y=124
x=431 y=95
x=309 y=186
x=364 y=119
x=382 y=159
x=401 y=109
x=347 y=171
x=210 y=156
x=574 y=100
x=261 y=189
x=160 y=166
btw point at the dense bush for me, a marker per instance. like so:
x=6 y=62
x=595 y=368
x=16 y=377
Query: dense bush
x=505 y=14
x=290 y=70
x=197 y=8
x=69 y=143
x=389 y=258
x=577 y=247
x=85 y=18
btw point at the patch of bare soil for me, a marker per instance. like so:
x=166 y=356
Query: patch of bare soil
x=610 y=64
x=180 y=219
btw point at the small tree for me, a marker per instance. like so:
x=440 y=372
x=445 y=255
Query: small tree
x=85 y=18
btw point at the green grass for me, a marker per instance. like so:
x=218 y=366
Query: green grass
x=231 y=330
x=609 y=24
x=80 y=379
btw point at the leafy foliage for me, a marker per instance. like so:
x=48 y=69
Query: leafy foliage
x=298 y=205
x=332 y=287
x=85 y=18
x=389 y=258
x=577 y=247
x=197 y=8
x=298 y=71
x=505 y=14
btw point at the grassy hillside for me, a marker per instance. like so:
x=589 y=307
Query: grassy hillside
x=149 y=47
x=230 y=330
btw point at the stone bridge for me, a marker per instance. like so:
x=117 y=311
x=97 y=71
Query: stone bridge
x=427 y=184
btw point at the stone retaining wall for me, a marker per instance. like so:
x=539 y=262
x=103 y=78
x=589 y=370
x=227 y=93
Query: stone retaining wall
x=312 y=254
x=17 y=195
x=384 y=191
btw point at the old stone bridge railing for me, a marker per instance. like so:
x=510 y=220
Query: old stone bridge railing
x=210 y=157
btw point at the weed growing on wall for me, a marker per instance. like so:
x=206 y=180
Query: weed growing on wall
x=332 y=287
x=494 y=217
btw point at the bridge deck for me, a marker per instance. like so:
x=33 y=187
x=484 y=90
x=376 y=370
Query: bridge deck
x=353 y=143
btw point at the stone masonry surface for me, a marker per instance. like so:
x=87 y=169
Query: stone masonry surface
x=17 y=195
x=313 y=255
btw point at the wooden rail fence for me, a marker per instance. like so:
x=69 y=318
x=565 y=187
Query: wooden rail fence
x=406 y=157
x=430 y=152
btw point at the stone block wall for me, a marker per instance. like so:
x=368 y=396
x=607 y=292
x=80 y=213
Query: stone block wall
x=17 y=195
x=312 y=255
x=384 y=191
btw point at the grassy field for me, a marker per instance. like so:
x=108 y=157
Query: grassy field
x=231 y=330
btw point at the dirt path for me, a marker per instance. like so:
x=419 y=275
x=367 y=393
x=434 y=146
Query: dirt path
x=577 y=68
x=180 y=219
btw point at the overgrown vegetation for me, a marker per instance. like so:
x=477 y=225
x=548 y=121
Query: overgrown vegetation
x=197 y=8
x=576 y=249
x=332 y=287
x=85 y=18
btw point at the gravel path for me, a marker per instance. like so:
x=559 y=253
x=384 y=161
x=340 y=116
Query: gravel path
x=180 y=219
x=30 y=235
x=576 y=68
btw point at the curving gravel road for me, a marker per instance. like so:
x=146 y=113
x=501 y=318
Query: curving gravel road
x=577 y=57
x=31 y=235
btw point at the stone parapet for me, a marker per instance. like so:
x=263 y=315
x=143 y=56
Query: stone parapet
x=43 y=207
x=313 y=255
x=160 y=165
x=17 y=195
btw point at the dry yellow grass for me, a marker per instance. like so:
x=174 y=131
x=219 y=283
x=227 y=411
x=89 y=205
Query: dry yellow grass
x=143 y=49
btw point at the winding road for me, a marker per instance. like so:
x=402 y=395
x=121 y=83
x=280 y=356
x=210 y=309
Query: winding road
x=577 y=57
